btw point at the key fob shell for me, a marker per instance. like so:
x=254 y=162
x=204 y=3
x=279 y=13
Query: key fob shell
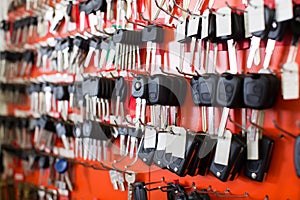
x=146 y=155
x=194 y=83
x=153 y=33
x=260 y=90
x=237 y=155
x=277 y=30
x=230 y=91
x=257 y=169
x=158 y=92
x=207 y=89
x=180 y=166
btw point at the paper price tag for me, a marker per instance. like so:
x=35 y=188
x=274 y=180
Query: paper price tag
x=223 y=22
x=256 y=16
x=223 y=149
x=284 y=10
x=161 y=141
x=290 y=81
x=150 y=138
x=177 y=144
x=205 y=20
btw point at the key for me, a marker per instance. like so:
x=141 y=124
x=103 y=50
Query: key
x=105 y=138
x=82 y=16
x=71 y=90
x=161 y=158
x=87 y=129
x=146 y=154
x=153 y=35
x=48 y=90
x=257 y=169
x=114 y=178
x=121 y=181
x=119 y=38
x=120 y=94
x=204 y=154
x=59 y=15
x=258 y=35
x=236 y=159
x=181 y=37
x=194 y=32
x=100 y=8
x=66 y=48
x=260 y=90
x=62 y=166
x=94 y=43
x=180 y=166
x=62 y=130
x=43 y=163
x=130 y=179
x=78 y=42
x=90 y=88
x=104 y=51
x=276 y=33
x=123 y=132
x=28 y=60
x=62 y=96
x=134 y=134
x=77 y=133
x=109 y=13
x=139 y=91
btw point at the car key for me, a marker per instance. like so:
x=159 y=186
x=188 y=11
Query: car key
x=161 y=158
x=237 y=156
x=257 y=169
x=139 y=191
x=258 y=35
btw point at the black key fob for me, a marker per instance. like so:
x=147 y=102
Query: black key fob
x=140 y=87
x=269 y=16
x=257 y=169
x=194 y=83
x=146 y=154
x=139 y=191
x=230 y=90
x=237 y=155
x=260 y=90
x=207 y=89
x=180 y=166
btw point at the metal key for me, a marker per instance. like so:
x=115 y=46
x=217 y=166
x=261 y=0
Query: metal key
x=130 y=179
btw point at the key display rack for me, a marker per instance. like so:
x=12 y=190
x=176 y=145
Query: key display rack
x=149 y=99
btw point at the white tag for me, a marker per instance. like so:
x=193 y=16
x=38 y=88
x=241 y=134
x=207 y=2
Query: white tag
x=252 y=143
x=290 y=81
x=193 y=26
x=223 y=22
x=256 y=16
x=180 y=31
x=161 y=141
x=223 y=149
x=3 y=109
x=284 y=10
x=177 y=145
x=205 y=21
x=150 y=138
x=246 y=25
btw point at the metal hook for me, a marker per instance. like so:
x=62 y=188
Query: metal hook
x=157 y=5
x=237 y=124
x=228 y=194
x=153 y=23
x=261 y=128
x=146 y=125
x=185 y=10
x=234 y=8
x=132 y=22
x=214 y=12
x=167 y=73
x=184 y=73
x=162 y=180
x=282 y=130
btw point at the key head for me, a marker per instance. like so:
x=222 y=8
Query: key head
x=100 y=5
x=28 y=56
x=77 y=130
x=47 y=123
x=120 y=36
x=44 y=162
x=194 y=83
x=260 y=90
x=105 y=44
x=61 y=129
x=269 y=15
x=89 y=7
x=90 y=86
x=207 y=89
x=146 y=154
x=277 y=30
x=212 y=30
x=94 y=43
x=230 y=91
x=139 y=191
x=135 y=132
x=123 y=131
x=153 y=33
x=140 y=87
x=158 y=89
x=295 y=22
x=130 y=177
x=61 y=166
x=195 y=27
x=257 y=169
x=120 y=89
x=61 y=93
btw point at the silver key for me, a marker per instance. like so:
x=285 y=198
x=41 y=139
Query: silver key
x=130 y=179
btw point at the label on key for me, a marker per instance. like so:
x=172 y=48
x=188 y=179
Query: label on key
x=290 y=81
x=223 y=22
x=205 y=21
x=150 y=138
x=223 y=149
x=256 y=16
x=176 y=143
x=161 y=141
x=284 y=10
